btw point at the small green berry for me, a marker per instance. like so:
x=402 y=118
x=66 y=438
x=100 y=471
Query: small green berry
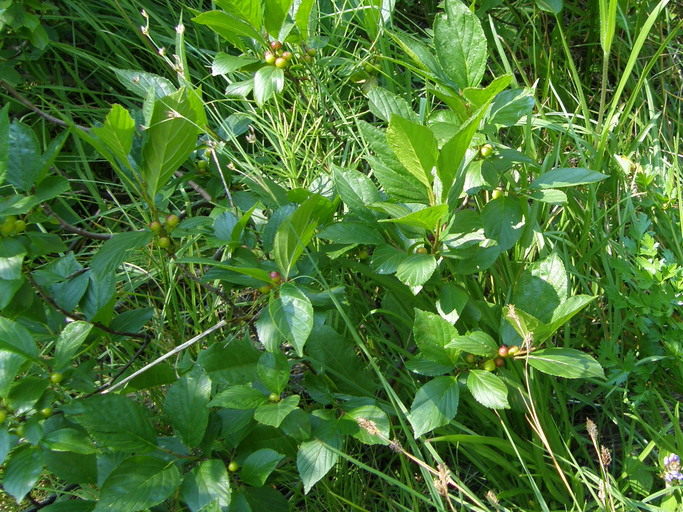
x=496 y=193
x=164 y=242
x=56 y=377
x=308 y=59
x=3 y=415
x=19 y=226
x=233 y=466
x=489 y=365
x=202 y=165
x=421 y=250
x=265 y=289
x=274 y=397
x=470 y=358
x=486 y=150
x=513 y=350
x=269 y=57
x=155 y=227
x=172 y=221
x=281 y=63
x=287 y=56
x=311 y=52
x=47 y=412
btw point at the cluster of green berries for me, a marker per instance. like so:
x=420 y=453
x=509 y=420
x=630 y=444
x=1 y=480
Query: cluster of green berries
x=491 y=364
x=162 y=232
x=280 y=58
x=12 y=226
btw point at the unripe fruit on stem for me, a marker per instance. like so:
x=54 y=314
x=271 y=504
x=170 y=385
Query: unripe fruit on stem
x=19 y=226
x=421 y=250
x=496 y=193
x=233 y=466
x=275 y=45
x=270 y=57
x=275 y=276
x=281 y=63
x=308 y=59
x=203 y=164
x=486 y=150
x=265 y=289
x=3 y=415
x=172 y=221
x=470 y=358
x=7 y=227
x=513 y=350
x=164 y=242
x=274 y=397
x=287 y=56
x=311 y=52
x=503 y=351
x=46 y=413
x=155 y=227
x=499 y=361
x=489 y=365
x=56 y=378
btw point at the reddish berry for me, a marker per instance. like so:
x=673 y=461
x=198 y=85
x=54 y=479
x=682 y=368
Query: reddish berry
x=172 y=221
x=499 y=361
x=155 y=227
x=275 y=276
x=503 y=351
x=281 y=63
x=275 y=45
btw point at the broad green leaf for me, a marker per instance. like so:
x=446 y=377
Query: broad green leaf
x=24 y=156
x=250 y=11
x=258 y=466
x=22 y=471
x=140 y=83
x=349 y=232
x=223 y=226
x=114 y=421
x=292 y=313
x=68 y=343
x=428 y=218
x=99 y=299
x=229 y=27
x=553 y=6
x=224 y=63
x=503 y=221
x=386 y=259
x=477 y=342
x=415 y=146
x=569 y=308
x=6 y=443
x=384 y=103
x=435 y=405
x=302 y=17
x=565 y=362
x=488 y=389
x=252 y=499
x=268 y=81
x=542 y=288
x=206 y=483
x=314 y=459
x=117 y=132
x=510 y=106
x=138 y=483
x=548 y=195
x=69 y=440
x=356 y=191
x=10 y=364
x=12 y=254
x=8 y=289
x=451 y=302
x=4 y=142
x=416 y=269
x=479 y=97
x=234 y=363
x=460 y=44
x=423 y=366
x=432 y=336
x=239 y=397
x=273 y=370
x=296 y=231
x=15 y=338
x=378 y=417
x=275 y=13
x=25 y=393
x=186 y=405
x=71 y=506
x=115 y=251
x=567 y=177
x=171 y=137
x=273 y=414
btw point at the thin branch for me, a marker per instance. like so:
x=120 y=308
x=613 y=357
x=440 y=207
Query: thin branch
x=74 y=229
x=50 y=500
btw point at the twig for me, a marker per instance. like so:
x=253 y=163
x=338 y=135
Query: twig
x=179 y=348
x=74 y=229
x=50 y=500
x=199 y=189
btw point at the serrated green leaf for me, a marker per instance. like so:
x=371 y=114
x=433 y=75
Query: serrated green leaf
x=432 y=336
x=258 y=466
x=386 y=259
x=24 y=394
x=416 y=269
x=12 y=253
x=510 y=106
x=451 y=302
x=114 y=421
x=115 y=250
x=228 y=26
x=565 y=362
x=427 y=218
x=292 y=314
x=542 y=288
x=138 y=483
x=24 y=156
x=225 y=63
x=314 y=459
x=460 y=44
x=15 y=338
x=268 y=81
x=378 y=417
x=140 y=83
x=548 y=195
x=69 y=440
x=4 y=142
x=503 y=221
x=186 y=405
x=205 y=484
x=553 y=6
x=488 y=389
x=273 y=414
x=22 y=471
x=303 y=16
x=477 y=342
x=117 y=133
x=273 y=370
x=567 y=177
x=68 y=343
x=435 y=405
x=384 y=103
x=239 y=397
x=415 y=146
x=356 y=191
x=349 y=232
